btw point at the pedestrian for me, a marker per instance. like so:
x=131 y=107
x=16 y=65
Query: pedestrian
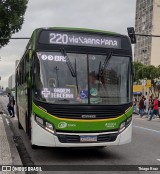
x=10 y=105
x=135 y=106
x=150 y=106
x=155 y=109
x=145 y=105
x=141 y=106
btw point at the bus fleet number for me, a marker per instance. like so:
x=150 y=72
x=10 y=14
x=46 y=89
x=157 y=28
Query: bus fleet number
x=58 y=38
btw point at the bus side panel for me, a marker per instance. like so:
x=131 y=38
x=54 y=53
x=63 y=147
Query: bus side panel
x=22 y=105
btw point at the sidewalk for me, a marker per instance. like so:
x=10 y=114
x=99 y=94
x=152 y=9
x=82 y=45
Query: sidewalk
x=5 y=154
x=8 y=151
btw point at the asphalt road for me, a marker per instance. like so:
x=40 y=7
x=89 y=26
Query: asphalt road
x=144 y=149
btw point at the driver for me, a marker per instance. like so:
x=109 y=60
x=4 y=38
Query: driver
x=94 y=83
x=95 y=88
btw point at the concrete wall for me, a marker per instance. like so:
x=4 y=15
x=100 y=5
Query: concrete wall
x=155 y=54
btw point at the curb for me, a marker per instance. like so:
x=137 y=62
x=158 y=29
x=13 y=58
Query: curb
x=16 y=160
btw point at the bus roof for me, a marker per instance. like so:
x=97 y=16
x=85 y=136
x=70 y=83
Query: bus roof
x=78 y=30
x=83 y=29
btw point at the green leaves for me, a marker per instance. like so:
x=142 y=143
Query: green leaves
x=138 y=70
x=149 y=72
x=11 y=18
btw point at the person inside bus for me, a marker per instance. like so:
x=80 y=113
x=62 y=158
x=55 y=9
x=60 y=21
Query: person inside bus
x=96 y=89
x=93 y=80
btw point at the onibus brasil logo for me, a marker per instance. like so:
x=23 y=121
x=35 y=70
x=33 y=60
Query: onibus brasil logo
x=62 y=125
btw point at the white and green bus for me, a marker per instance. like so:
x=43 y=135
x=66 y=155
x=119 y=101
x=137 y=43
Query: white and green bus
x=74 y=88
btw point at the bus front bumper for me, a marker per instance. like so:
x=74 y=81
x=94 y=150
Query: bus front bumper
x=41 y=137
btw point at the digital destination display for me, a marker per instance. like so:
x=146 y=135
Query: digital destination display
x=79 y=39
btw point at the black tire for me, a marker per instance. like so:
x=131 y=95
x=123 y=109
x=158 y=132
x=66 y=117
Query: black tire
x=34 y=146
x=19 y=124
x=101 y=147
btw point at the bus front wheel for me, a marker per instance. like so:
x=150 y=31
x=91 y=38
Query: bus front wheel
x=34 y=146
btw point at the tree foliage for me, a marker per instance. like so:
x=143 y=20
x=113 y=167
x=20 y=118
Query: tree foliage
x=11 y=18
x=148 y=72
x=137 y=70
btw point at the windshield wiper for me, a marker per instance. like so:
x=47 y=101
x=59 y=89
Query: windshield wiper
x=68 y=62
x=99 y=74
x=75 y=66
x=105 y=63
x=101 y=68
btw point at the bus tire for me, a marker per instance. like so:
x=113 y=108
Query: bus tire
x=19 y=125
x=34 y=146
x=101 y=147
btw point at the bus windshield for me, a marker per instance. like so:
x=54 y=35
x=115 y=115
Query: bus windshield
x=82 y=79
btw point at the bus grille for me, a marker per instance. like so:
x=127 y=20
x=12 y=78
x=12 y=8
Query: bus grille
x=80 y=114
x=76 y=138
x=84 y=112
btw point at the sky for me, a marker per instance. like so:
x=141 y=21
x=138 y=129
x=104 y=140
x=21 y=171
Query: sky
x=107 y=15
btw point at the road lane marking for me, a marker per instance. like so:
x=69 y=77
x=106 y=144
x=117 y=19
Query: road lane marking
x=152 y=130
x=139 y=118
x=145 y=118
x=158 y=159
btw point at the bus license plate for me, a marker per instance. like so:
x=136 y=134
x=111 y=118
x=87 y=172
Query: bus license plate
x=88 y=138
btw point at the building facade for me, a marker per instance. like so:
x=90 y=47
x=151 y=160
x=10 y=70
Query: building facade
x=11 y=81
x=147 y=49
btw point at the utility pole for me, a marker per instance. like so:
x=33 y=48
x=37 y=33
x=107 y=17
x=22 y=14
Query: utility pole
x=15 y=38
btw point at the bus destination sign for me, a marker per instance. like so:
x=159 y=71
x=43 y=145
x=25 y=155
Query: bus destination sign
x=79 y=39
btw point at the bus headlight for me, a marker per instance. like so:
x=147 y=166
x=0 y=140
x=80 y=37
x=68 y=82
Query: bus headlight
x=39 y=120
x=49 y=127
x=128 y=121
x=122 y=127
x=125 y=124
x=45 y=125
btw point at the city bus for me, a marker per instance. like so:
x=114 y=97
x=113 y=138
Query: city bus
x=74 y=88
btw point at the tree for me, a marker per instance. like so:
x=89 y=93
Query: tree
x=12 y=17
x=149 y=72
x=137 y=66
x=158 y=71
